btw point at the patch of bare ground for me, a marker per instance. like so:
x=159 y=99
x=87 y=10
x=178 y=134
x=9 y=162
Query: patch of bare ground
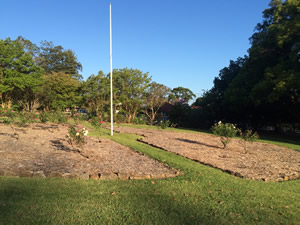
x=262 y=161
x=42 y=150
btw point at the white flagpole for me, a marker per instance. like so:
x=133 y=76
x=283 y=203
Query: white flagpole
x=111 y=72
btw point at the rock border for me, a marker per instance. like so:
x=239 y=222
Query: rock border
x=86 y=176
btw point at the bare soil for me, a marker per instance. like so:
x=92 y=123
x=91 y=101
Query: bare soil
x=43 y=150
x=261 y=161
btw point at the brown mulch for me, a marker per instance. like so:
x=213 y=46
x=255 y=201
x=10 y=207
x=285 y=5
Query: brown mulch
x=43 y=150
x=262 y=161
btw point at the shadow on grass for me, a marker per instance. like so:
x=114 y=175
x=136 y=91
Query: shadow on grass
x=278 y=138
x=197 y=142
x=35 y=201
x=162 y=207
x=14 y=200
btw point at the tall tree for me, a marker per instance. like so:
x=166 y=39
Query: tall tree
x=181 y=94
x=20 y=77
x=96 y=91
x=130 y=87
x=60 y=91
x=29 y=47
x=56 y=59
x=157 y=95
x=262 y=88
x=270 y=78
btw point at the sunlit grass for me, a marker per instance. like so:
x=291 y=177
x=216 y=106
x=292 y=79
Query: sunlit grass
x=282 y=141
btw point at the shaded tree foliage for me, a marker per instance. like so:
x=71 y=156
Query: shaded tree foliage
x=180 y=113
x=262 y=88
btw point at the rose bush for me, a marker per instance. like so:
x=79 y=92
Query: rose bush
x=225 y=131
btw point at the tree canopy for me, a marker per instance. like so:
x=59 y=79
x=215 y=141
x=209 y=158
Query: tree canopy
x=20 y=77
x=55 y=59
x=258 y=89
x=262 y=88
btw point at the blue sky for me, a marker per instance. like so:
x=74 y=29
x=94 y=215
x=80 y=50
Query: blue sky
x=180 y=43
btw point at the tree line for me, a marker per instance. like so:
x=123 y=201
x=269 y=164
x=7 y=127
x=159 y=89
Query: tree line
x=262 y=88
x=48 y=77
x=259 y=89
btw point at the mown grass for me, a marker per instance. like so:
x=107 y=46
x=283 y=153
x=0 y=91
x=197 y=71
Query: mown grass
x=202 y=195
x=280 y=140
x=155 y=127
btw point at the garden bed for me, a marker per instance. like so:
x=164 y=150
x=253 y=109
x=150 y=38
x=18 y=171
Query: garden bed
x=262 y=161
x=43 y=150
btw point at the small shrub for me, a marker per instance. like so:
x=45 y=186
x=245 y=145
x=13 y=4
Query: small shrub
x=11 y=114
x=140 y=120
x=61 y=117
x=76 y=135
x=164 y=124
x=44 y=116
x=120 y=118
x=22 y=119
x=248 y=136
x=225 y=131
x=52 y=117
x=79 y=117
x=96 y=122
x=27 y=117
x=7 y=121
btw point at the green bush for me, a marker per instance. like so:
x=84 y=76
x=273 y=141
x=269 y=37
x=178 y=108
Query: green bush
x=140 y=120
x=51 y=116
x=96 y=122
x=27 y=117
x=7 y=121
x=225 y=131
x=120 y=118
x=164 y=124
x=44 y=116
x=11 y=114
x=76 y=135
x=61 y=117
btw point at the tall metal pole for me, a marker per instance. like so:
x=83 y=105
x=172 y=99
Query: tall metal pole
x=111 y=72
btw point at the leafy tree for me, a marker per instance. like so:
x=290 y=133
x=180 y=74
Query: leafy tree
x=270 y=78
x=181 y=94
x=96 y=92
x=130 y=87
x=29 y=47
x=60 y=90
x=212 y=103
x=262 y=88
x=156 y=96
x=180 y=114
x=56 y=59
x=20 y=77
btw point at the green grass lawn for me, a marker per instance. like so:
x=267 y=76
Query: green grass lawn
x=283 y=141
x=203 y=195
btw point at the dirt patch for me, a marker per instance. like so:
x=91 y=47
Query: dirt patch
x=42 y=150
x=261 y=162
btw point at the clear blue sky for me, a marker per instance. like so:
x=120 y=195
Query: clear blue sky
x=180 y=43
